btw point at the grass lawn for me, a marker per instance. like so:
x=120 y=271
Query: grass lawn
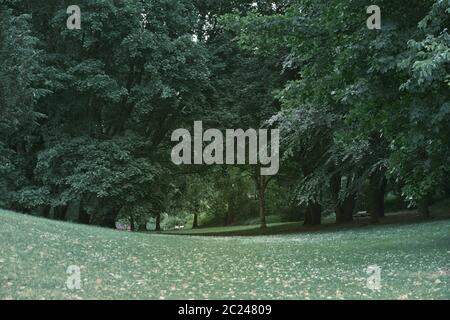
x=35 y=254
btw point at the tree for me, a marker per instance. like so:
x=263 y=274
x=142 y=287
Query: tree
x=348 y=88
x=421 y=148
x=19 y=91
x=114 y=91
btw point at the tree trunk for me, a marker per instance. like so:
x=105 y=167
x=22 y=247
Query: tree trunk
x=132 y=224
x=424 y=207
x=344 y=211
x=61 y=212
x=83 y=216
x=45 y=211
x=381 y=195
x=313 y=215
x=142 y=226
x=377 y=186
x=195 y=223
x=262 y=202
x=92 y=218
x=229 y=219
x=158 y=222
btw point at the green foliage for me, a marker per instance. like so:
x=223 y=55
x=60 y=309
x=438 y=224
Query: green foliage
x=421 y=151
x=86 y=115
x=363 y=102
x=98 y=133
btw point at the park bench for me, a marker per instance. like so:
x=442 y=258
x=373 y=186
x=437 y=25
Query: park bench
x=361 y=214
x=123 y=227
x=179 y=227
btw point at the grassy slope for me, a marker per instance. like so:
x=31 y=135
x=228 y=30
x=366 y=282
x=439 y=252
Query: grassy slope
x=35 y=253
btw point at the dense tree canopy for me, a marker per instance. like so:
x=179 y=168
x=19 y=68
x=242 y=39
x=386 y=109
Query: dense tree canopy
x=86 y=115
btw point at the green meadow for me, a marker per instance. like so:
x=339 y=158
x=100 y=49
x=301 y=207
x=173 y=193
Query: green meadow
x=414 y=260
